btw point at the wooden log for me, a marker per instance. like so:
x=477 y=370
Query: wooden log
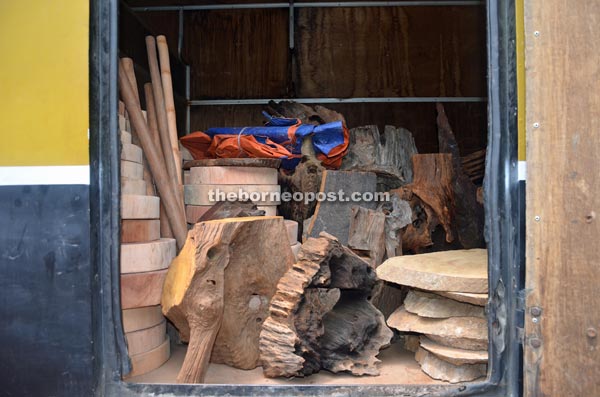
x=218 y=297
x=208 y=194
x=133 y=186
x=227 y=209
x=443 y=370
x=367 y=234
x=320 y=318
x=296 y=249
x=139 y=230
x=132 y=153
x=139 y=207
x=147 y=256
x=468 y=213
x=398 y=214
x=468 y=333
x=292 y=229
x=195 y=213
x=334 y=216
x=165 y=186
x=226 y=162
x=232 y=176
x=144 y=340
x=150 y=360
x=131 y=170
x=459 y=270
x=142 y=289
x=167 y=85
x=141 y=318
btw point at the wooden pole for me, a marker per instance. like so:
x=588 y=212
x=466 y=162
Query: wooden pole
x=167 y=84
x=129 y=70
x=161 y=114
x=164 y=184
x=165 y=226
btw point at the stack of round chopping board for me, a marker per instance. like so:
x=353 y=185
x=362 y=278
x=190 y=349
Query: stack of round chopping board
x=202 y=185
x=292 y=230
x=145 y=258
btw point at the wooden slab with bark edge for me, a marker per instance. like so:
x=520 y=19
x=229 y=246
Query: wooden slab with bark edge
x=453 y=355
x=133 y=186
x=366 y=235
x=292 y=229
x=141 y=318
x=443 y=370
x=135 y=206
x=142 y=289
x=458 y=270
x=150 y=360
x=200 y=194
x=147 y=256
x=435 y=306
x=466 y=297
x=218 y=296
x=131 y=170
x=139 y=230
x=320 y=316
x=133 y=153
x=470 y=332
x=241 y=162
x=232 y=176
x=195 y=213
x=144 y=340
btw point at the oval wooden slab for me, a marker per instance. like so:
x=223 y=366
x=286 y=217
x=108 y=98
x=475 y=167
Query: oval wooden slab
x=200 y=194
x=150 y=360
x=135 y=206
x=133 y=186
x=141 y=318
x=142 y=289
x=270 y=163
x=292 y=229
x=233 y=176
x=144 y=340
x=125 y=137
x=131 y=170
x=139 y=230
x=474 y=299
x=130 y=152
x=147 y=257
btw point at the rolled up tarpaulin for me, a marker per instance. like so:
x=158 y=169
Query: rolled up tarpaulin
x=280 y=138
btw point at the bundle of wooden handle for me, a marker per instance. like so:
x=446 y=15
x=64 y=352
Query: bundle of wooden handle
x=158 y=134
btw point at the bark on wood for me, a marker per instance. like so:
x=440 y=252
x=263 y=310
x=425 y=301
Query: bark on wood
x=468 y=212
x=228 y=209
x=269 y=163
x=320 y=317
x=391 y=160
x=398 y=214
x=218 y=288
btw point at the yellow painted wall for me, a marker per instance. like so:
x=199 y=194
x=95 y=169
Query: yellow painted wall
x=44 y=104
x=520 y=30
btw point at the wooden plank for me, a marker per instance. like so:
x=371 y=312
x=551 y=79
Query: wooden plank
x=201 y=194
x=142 y=289
x=147 y=256
x=232 y=176
x=132 y=170
x=147 y=339
x=150 y=360
x=562 y=321
x=133 y=186
x=125 y=137
x=139 y=230
x=140 y=207
x=141 y=318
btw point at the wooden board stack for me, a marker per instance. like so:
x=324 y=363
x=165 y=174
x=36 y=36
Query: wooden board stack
x=443 y=310
x=145 y=257
x=204 y=184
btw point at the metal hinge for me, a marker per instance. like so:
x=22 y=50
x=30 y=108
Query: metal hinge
x=520 y=316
